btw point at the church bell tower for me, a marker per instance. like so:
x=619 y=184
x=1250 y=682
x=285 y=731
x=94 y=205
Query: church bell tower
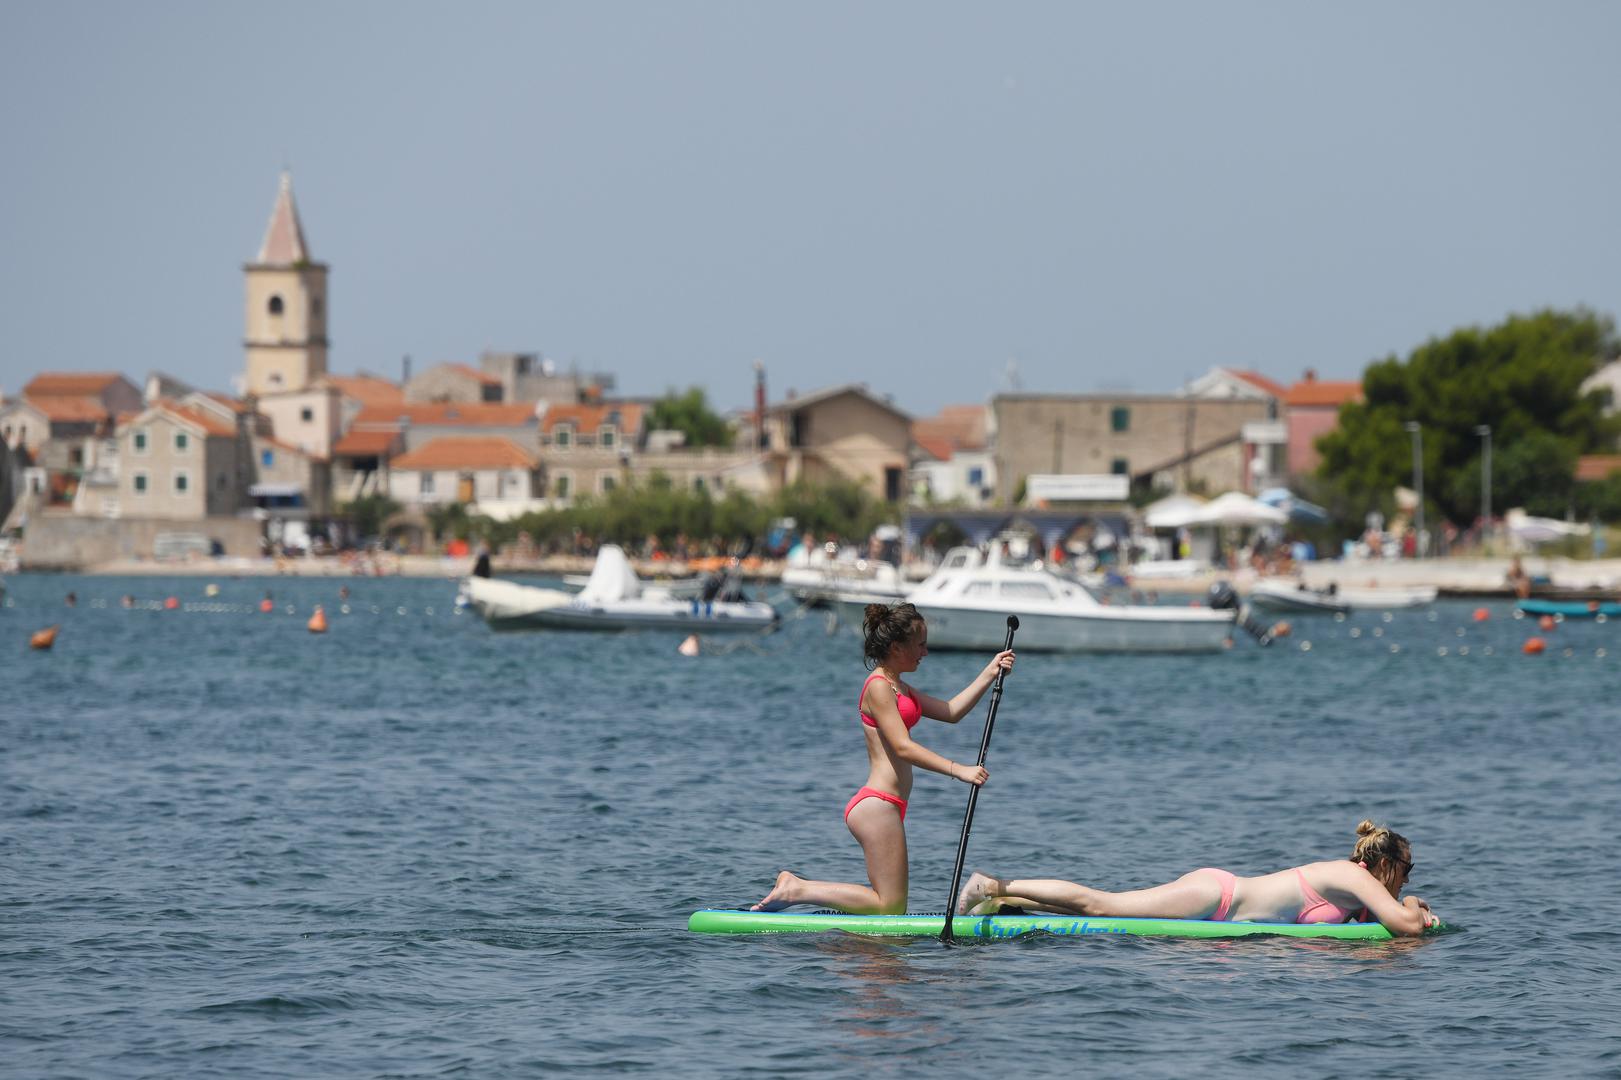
x=285 y=337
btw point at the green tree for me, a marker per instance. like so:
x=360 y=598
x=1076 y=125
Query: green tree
x=690 y=414
x=368 y=513
x=1522 y=377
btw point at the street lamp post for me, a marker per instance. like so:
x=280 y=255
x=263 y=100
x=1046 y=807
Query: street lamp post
x=1485 y=433
x=1416 y=430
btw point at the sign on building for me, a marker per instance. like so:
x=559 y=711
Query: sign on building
x=1077 y=487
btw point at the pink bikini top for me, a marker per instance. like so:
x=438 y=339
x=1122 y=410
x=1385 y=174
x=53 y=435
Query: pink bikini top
x=1314 y=909
x=911 y=711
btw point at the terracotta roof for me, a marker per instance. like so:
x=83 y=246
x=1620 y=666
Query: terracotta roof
x=800 y=401
x=236 y=405
x=367 y=389
x=210 y=424
x=69 y=383
x=625 y=416
x=474 y=373
x=1310 y=392
x=960 y=427
x=465 y=452
x=449 y=414
x=1597 y=466
x=1260 y=382
x=376 y=442
x=938 y=448
x=284 y=237
x=68 y=410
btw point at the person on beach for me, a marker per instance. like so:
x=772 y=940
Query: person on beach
x=897 y=640
x=1365 y=887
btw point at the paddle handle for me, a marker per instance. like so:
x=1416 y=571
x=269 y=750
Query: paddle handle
x=946 y=933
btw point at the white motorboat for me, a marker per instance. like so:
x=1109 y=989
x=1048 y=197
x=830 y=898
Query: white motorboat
x=1388 y=597
x=613 y=599
x=846 y=588
x=826 y=581
x=967 y=602
x=1295 y=597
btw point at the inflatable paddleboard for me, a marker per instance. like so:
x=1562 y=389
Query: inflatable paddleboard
x=724 y=921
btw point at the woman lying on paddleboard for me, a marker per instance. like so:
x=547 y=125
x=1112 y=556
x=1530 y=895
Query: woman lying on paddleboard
x=1362 y=888
x=897 y=641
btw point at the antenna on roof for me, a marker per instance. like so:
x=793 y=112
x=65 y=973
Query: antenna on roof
x=1010 y=375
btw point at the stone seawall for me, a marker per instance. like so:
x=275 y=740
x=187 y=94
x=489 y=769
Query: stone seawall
x=70 y=542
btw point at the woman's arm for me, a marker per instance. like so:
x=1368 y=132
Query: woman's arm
x=965 y=700
x=1407 y=917
x=878 y=701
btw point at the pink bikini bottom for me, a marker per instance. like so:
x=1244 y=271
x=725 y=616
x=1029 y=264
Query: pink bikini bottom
x=900 y=803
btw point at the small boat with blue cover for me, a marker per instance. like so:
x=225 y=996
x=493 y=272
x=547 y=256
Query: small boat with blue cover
x=1572 y=609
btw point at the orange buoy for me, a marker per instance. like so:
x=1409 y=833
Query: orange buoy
x=44 y=639
x=267 y=605
x=1533 y=646
x=1481 y=614
x=317 y=623
x=1281 y=628
x=1545 y=623
x=171 y=603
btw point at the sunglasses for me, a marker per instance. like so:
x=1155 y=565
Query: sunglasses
x=1405 y=864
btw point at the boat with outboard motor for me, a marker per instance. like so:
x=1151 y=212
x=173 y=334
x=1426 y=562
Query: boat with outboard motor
x=1295 y=597
x=968 y=599
x=1298 y=597
x=615 y=599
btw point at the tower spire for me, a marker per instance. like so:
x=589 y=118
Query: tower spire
x=284 y=237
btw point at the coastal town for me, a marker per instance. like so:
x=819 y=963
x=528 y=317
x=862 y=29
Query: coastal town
x=267 y=467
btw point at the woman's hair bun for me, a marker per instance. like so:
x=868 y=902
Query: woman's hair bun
x=885 y=626
x=1366 y=826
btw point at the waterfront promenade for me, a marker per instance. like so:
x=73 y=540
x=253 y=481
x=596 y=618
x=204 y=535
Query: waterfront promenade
x=1453 y=576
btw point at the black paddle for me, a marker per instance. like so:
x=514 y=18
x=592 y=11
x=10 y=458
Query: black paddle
x=946 y=934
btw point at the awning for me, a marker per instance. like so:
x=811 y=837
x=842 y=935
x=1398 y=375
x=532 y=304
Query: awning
x=1297 y=508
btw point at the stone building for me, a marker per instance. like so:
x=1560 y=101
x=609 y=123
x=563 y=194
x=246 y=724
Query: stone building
x=178 y=462
x=529 y=377
x=453 y=382
x=492 y=475
x=845 y=432
x=286 y=315
x=588 y=449
x=1181 y=443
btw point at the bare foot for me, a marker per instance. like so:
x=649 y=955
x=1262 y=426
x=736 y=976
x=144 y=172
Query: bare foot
x=979 y=891
x=781 y=894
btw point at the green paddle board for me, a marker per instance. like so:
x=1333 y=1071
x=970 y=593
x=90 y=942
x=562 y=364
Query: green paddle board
x=723 y=921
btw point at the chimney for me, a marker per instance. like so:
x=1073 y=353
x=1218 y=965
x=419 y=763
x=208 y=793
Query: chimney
x=405 y=367
x=759 y=404
x=1311 y=375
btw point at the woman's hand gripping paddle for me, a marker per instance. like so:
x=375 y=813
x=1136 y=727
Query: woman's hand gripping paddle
x=946 y=934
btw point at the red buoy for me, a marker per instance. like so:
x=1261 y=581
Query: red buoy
x=1533 y=646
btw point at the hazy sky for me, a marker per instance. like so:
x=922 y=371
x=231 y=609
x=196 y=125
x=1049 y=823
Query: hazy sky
x=1113 y=196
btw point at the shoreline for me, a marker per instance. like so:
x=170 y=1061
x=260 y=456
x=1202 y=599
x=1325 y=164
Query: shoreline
x=1455 y=577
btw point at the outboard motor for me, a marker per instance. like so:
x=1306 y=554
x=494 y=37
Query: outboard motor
x=1222 y=597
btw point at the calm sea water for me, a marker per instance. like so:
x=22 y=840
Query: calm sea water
x=412 y=847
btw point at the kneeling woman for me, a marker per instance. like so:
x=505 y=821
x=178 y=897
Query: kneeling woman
x=897 y=640
x=1365 y=887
